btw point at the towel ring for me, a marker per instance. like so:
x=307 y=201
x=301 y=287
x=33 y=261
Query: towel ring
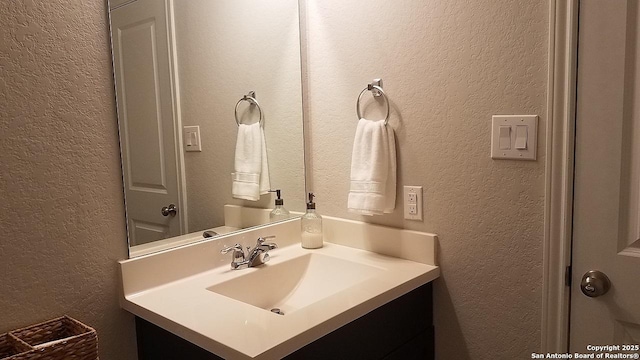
x=371 y=87
x=251 y=98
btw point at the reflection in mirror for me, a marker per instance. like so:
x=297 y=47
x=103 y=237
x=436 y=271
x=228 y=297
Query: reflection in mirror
x=181 y=69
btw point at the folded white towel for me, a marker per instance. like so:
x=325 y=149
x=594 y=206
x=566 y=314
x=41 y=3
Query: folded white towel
x=373 y=169
x=251 y=176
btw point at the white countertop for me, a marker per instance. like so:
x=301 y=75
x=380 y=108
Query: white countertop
x=236 y=330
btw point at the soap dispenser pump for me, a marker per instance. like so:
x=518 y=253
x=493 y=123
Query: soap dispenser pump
x=279 y=212
x=311 y=224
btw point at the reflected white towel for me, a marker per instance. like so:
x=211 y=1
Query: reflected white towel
x=251 y=176
x=373 y=169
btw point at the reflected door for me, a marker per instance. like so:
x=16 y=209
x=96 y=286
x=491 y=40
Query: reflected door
x=607 y=177
x=148 y=124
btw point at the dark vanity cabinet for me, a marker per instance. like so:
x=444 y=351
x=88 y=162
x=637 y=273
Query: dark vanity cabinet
x=400 y=329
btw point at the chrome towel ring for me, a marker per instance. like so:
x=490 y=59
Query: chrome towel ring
x=377 y=91
x=251 y=98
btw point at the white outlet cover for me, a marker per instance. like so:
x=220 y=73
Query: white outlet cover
x=412 y=209
x=514 y=121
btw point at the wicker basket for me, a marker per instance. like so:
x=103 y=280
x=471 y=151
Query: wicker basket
x=10 y=345
x=58 y=339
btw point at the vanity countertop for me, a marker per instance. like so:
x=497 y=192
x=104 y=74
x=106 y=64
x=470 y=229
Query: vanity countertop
x=187 y=307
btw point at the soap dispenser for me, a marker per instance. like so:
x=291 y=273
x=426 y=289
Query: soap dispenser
x=279 y=212
x=311 y=226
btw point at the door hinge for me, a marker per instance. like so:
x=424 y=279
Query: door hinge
x=567 y=276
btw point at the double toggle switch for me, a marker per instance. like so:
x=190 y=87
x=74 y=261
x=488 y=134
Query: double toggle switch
x=514 y=137
x=521 y=137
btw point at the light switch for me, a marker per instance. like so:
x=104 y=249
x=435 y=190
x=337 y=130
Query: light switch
x=521 y=137
x=505 y=137
x=514 y=137
x=192 y=138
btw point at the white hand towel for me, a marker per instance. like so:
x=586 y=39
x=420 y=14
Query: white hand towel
x=251 y=176
x=373 y=169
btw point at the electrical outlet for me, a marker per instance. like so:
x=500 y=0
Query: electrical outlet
x=413 y=202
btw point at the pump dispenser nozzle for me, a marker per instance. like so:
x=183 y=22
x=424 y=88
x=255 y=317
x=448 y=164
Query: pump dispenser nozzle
x=279 y=200
x=311 y=204
x=279 y=212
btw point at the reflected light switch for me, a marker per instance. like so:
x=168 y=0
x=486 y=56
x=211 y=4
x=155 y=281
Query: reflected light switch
x=505 y=137
x=521 y=137
x=192 y=138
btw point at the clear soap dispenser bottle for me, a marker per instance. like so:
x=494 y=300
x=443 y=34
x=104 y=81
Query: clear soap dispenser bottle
x=311 y=226
x=279 y=212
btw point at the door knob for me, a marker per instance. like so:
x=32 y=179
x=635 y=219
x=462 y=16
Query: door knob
x=595 y=283
x=169 y=210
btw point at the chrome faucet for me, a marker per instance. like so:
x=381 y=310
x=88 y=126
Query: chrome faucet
x=252 y=257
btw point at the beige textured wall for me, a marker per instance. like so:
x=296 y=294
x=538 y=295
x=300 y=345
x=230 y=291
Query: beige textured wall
x=225 y=49
x=63 y=223
x=448 y=65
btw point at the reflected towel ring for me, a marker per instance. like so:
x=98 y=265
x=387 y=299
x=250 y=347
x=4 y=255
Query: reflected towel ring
x=371 y=87
x=251 y=98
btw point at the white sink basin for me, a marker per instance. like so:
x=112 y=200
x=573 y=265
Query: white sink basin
x=295 y=283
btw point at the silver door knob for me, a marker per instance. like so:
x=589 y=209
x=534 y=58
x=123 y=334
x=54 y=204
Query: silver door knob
x=595 y=283
x=169 y=210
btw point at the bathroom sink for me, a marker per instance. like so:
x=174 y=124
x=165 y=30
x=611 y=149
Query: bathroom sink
x=192 y=292
x=295 y=283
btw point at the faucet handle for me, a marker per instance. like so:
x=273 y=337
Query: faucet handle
x=237 y=248
x=262 y=239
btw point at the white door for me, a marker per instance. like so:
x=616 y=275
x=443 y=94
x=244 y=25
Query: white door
x=606 y=233
x=146 y=116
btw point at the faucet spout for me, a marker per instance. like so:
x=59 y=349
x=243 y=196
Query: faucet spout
x=260 y=253
x=267 y=246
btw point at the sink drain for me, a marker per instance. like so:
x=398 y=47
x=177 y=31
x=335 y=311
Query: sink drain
x=277 y=311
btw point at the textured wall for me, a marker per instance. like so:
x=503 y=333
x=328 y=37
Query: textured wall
x=63 y=221
x=225 y=49
x=448 y=65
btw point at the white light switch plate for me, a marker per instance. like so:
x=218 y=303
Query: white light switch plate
x=192 y=138
x=522 y=141
x=413 y=202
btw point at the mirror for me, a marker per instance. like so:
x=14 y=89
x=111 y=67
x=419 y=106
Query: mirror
x=184 y=70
